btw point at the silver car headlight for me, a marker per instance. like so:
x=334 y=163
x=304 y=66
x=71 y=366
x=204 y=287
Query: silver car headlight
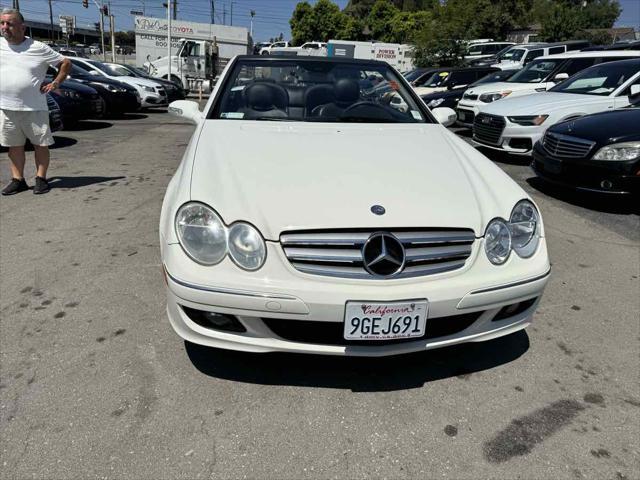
x=201 y=233
x=246 y=246
x=619 y=152
x=148 y=89
x=497 y=241
x=528 y=120
x=524 y=225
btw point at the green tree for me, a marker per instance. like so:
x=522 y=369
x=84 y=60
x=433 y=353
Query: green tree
x=380 y=18
x=405 y=26
x=301 y=22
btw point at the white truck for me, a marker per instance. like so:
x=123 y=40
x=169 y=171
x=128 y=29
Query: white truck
x=194 y=67
x=399 y=56
x=315 y=49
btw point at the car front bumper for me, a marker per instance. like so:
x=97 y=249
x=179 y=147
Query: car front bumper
x=307 y=311
x=154 y=100
x=515 y=139
x=586 y=174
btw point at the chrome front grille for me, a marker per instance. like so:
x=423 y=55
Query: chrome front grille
x=488 y=128
x=564 y=146
x=340 y=253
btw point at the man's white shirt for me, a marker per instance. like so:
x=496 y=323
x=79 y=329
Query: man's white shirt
x=22 y=70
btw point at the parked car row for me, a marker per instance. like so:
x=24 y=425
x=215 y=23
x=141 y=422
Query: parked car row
x=576 y=113
x=94 y=90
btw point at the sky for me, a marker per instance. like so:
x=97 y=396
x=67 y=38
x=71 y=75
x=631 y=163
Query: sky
x=272 y=16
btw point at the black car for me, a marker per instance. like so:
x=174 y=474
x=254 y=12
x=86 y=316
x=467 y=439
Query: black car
x=451 y=77
x=599 y=152
x=77 y=101
x=117 y=97
x=451 y=97
x=55 y=114
x=174 y=91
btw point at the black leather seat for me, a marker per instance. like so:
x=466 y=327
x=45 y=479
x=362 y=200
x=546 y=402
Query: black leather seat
x=265 y=100
x=346 y=92
x=316 y=96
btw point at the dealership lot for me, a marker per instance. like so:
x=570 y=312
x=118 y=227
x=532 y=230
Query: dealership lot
x=94 y=383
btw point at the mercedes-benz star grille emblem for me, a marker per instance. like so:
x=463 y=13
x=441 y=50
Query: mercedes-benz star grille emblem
x=383 y=255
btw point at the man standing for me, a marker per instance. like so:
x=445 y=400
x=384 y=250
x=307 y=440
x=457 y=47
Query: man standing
x=23 y=105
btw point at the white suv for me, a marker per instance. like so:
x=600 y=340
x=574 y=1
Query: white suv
x=539 y=76
x=519 y=56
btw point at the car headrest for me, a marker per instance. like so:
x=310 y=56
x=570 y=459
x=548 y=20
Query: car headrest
x=318 y=95
x=346 y=90
x=266 y=96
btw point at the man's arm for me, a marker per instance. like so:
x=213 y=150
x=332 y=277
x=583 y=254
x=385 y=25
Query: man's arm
x=65 y=68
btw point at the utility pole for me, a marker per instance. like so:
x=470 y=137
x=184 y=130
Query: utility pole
x=231 y=23
x=16 y=5
x=213 y=12
x=112 y=28
x=253 y=14
x=51 y=19
x=224 y=14
x=169 y=59
x=175 y=9
x=104 y=50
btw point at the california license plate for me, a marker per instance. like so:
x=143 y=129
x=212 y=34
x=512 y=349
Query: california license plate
x=385 y=321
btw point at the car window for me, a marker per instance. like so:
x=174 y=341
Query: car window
x=575 y=65
x=554 y=50
x=462 y=78
x=514 y=54
x=533 y=54
x=81 y=66
x=536 y=71
x=599 y=80
x=499 y=76
x=120 y=70
x=316 y=91
x=101 y=67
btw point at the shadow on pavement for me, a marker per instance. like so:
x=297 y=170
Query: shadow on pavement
x=126 y=116
x=358 y=374
x=60 y=142
x=74 y=182
x=600 y=202
x=86 y=125
x=502 y=157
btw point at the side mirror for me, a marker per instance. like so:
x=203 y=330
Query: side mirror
x=560 y=77
x=444 y=115
x=186 y=109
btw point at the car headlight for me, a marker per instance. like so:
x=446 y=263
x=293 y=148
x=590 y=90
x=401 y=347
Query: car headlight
x=492 y=97
x=521 y=234
x=524 y=225
x=619 y=152
x=529 y=120
x=147 y=89
x=201 y=233
x=111 y=88
x=246 y=246
x=497 y=241
x=435 y=102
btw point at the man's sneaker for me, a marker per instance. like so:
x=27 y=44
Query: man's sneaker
x=41 y=186
x=15 y=186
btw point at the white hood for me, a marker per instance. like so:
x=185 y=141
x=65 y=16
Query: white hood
x=498 y=87
x=135 y=81
x=544 y=103
x=286 y=176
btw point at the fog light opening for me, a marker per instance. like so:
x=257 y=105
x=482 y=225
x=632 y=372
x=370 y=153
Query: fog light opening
x=214 y=320
x=606 y=184
x=513 y=309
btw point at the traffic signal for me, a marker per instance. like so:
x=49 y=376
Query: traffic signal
x=105 y=11
x=85 y=3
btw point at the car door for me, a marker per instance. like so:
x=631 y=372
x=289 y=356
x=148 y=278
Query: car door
x=460 y=79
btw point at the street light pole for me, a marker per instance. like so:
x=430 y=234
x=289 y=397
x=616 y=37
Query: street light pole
x=169 y=59
x=51 y=19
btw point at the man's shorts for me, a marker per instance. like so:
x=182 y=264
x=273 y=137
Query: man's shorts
x=16 y=126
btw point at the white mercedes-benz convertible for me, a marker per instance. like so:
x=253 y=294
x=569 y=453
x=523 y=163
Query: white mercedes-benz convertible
x=311 y=215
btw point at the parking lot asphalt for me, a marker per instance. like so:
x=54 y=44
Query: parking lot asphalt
x=95 y=384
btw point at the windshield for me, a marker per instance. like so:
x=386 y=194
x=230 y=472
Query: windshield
x=499 y=76
x=536 y=72
x=513 y=55
x=304 y=90
x=104 y=69
x=501 y=54
x=599 y=80
x=434 y=80
x=123 y=71
x=414 y=74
